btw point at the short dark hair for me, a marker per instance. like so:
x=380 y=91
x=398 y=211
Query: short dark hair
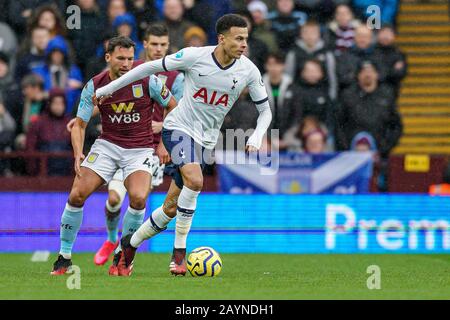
x=120 y=41
x=156 y=29
x=32 y=80
x=277 y=56
x=226 y=22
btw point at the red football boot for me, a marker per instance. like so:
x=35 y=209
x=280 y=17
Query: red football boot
x=105 y=252
x=126 y=261
x=177 y=265
x=114 y=268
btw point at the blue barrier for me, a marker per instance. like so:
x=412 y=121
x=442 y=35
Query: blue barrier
x=251 y=223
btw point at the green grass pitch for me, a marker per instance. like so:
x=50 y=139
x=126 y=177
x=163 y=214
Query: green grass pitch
x=244 y=276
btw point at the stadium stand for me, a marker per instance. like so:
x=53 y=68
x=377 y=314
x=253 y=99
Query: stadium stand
x=424 y=102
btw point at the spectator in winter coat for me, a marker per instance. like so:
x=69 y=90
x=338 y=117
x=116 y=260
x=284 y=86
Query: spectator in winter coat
x=347 y=62
x=340 y=33
x=32 y=54
x=368 y=106
x=49 y=134
x=86 y=39
x=392 y=61
x=279 y=89
x=177 y=25
x=261 y=26
x=59 y=72
x=285 y=22
x=125 y=25
x=311 y=46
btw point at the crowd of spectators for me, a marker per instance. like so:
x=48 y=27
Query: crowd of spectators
x=332 y=81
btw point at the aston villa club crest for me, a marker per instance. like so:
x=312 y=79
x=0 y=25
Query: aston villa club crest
x=138 y=92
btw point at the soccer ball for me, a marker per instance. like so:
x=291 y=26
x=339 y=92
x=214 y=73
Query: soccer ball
x=204 y=261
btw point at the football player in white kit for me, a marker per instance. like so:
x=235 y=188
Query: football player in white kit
x=215 y=76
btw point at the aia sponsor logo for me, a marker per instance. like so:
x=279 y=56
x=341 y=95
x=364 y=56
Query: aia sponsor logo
x=213 y=98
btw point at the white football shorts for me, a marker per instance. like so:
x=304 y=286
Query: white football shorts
x=105 y=158
x=117 y=184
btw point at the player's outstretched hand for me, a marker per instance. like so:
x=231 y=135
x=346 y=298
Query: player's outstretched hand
x=99 y=101
x=69 y=125
x=78 y=160
x=163 y=155
x=250 y=149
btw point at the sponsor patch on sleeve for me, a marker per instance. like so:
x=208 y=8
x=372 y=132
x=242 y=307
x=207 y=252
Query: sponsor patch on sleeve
x=164 y=92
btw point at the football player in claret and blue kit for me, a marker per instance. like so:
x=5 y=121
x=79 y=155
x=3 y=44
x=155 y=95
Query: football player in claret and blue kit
x=126 y=143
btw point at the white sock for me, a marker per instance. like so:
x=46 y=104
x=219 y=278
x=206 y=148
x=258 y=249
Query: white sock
x=187 y=202
x=156 y=223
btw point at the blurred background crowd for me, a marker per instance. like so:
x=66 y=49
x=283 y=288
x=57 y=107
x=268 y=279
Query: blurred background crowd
x=333 y=80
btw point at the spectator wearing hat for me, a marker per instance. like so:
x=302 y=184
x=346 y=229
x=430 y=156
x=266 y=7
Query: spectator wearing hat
x=32 y=54
x=391 y=59
x=285 y=22
x=261 y=26
x=315 y=141
x=309 y=46
x=59 y=72
x=347 y=62
x=365 y=142
x=49 y=134
x=340 y=33
x=195 y=37
x=125 y=25
x=368 y=106
x=177 y=25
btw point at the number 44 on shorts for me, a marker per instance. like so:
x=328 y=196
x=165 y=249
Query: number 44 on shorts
x=148 y=163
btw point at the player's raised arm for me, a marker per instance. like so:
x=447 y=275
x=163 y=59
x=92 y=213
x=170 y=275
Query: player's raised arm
x=182 y=60
x=259 y=96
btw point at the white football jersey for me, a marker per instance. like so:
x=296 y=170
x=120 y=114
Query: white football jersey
x=209 y=92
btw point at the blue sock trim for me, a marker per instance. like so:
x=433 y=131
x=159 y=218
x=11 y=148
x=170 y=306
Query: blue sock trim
x=186 y=211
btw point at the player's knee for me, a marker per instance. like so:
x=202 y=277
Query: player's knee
x=114 y=199
x=194 y=183
x=138 y=200
x=77 y=197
